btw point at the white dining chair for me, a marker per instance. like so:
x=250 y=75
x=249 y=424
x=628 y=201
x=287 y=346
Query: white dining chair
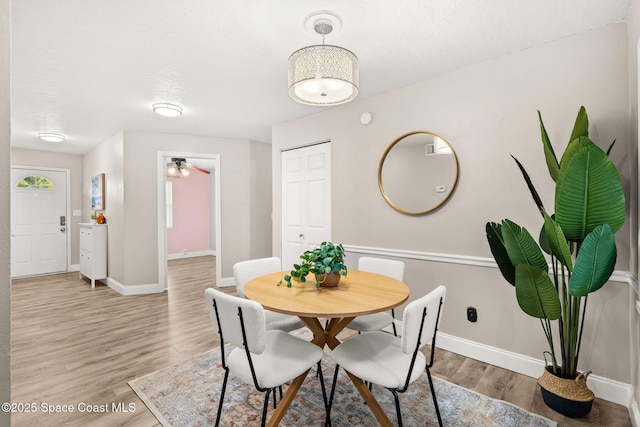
x=377 y=321
x=392 y=362
x=245 y=271
x=266 y=359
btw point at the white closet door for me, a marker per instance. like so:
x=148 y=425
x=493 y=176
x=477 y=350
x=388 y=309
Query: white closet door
x=306 y=200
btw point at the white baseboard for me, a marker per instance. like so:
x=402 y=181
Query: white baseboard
x=634 y=413
x=74 y=267
x=604 y=388
x=226 y=282
x=152 y=288
x=194 y=254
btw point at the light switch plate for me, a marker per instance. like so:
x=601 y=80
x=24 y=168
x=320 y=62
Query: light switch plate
x=77 y=212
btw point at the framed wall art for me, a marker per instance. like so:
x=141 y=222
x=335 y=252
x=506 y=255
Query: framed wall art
x=97 y=192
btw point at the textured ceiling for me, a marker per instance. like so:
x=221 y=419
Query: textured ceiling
x=90 y=68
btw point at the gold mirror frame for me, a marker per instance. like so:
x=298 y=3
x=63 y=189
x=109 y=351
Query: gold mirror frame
x=446 y=196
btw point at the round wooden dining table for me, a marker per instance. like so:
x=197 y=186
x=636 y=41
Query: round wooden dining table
x=357 y=294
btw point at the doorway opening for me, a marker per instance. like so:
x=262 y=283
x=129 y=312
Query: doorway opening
x=180 y=210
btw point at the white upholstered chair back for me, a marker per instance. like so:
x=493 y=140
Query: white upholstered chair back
x=388 y=267
x=412 y=316
x=244 y=271
x=227 y=320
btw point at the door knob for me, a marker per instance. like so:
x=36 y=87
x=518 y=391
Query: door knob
x=63 y=229
x=301 y=236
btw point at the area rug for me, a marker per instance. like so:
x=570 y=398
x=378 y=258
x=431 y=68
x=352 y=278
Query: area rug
x=186 y=395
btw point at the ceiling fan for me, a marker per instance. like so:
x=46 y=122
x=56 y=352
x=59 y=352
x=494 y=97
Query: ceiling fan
x=179 y=168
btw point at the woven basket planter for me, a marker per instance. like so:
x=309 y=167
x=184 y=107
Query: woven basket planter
x=570 y=397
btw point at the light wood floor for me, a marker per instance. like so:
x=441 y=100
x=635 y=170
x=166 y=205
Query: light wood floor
x=73 y=345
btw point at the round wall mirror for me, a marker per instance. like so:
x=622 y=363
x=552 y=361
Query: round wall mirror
x=418 y=173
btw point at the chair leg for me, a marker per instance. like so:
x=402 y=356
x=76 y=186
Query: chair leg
x=433 y=394
x=324 y=392
x=398 y=412
x=275 y=403
x=224 y=387
x=327 y=420
x=393 y=324
x=265 y=406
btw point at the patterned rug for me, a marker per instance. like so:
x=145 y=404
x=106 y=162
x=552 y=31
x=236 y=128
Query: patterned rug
x=186 y=395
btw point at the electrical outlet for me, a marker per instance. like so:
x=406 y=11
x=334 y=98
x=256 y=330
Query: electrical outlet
x=184 y=252
x=472 y=314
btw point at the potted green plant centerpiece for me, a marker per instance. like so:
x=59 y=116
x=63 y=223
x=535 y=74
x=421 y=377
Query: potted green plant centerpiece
x=578 y=240
x=326 y=262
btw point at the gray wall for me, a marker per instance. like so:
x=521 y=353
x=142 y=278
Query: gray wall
x=5 y=197
x=260 y=209
x=108 y=158
x=129 y=160
x=486 y=112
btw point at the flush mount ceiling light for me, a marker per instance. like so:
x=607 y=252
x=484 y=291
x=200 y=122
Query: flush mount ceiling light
x=51 y=137
x=323 y=74
x=167 y=110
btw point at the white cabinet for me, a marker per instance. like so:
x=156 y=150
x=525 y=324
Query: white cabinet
x=93 y=252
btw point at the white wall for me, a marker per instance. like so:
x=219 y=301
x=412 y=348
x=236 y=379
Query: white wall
x=486 y=112
x=5 y=198
x=633 y=30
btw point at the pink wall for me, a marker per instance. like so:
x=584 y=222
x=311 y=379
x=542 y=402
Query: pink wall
x=190 y=214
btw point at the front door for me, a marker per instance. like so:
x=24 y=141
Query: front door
x=38 y=222
x=306 y=200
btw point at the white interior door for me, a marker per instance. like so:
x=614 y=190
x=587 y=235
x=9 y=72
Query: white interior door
x=306 y=200
x=38 y=222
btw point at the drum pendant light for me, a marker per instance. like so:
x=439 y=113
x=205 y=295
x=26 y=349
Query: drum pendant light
x=323 y=74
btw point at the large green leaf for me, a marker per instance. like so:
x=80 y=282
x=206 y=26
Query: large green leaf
x=557 y=242
x=499 y=252
x=549 y=154
x=595 y=262
x=532 y=189
x=543 y=241
x=536 y=294
x=611 y=148
x=581 y=126
x=521 y=247
x=574 y=147
x=588 y=191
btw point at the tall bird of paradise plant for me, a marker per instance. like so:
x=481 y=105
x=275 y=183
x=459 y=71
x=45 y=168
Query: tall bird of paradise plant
x=578 y=238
